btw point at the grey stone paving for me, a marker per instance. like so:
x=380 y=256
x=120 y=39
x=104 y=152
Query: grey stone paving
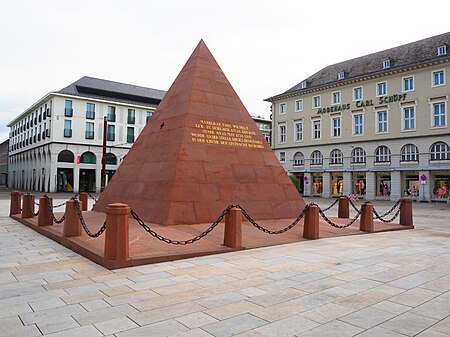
x=387 y=284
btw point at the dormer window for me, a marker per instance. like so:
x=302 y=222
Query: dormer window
x=341 y=75
x=303 y=85
x=442 y=50
x=386 y=64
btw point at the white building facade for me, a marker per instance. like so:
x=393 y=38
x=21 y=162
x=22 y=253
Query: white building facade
x=57 y=144
x=376 y=126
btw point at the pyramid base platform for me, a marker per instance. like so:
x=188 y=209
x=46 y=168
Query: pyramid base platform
x=145 y=249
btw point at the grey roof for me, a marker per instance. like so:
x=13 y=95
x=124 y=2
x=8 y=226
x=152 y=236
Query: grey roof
x=400 y=57
x=91 y=87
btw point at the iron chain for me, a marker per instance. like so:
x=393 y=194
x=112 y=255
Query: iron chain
x=181 y=242
x=32 y=206
x=334 y=203
x=381 y=217
x=83 y=222
x=50 y=208
x=18 y=200
x=352 y=203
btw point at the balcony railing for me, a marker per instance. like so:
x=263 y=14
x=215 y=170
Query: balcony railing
x=68 y=133
x=89 y=134
x=68 y=112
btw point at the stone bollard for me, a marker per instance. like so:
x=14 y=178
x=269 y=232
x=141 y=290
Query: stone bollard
x=311 y=224
x=343 y=209
x=233 y=228
x=83 y=197
x=116 y=236
x=28 y=206
x=45 y=215
x=366 y=218
x=14 y=206
x=406 y=212
x=72 y=223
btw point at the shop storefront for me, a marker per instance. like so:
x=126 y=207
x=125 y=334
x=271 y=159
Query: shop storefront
x=359 y=180
x=411 y=184
x=383 y=185
x=440 y=183
x=337 y=183
x=317 y=184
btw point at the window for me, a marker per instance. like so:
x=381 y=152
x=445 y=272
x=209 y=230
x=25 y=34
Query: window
x=67 y=128
x=299 y=105
x=298 y=126
x=65 y=156
x=130 y=135
x=410 y=152
x=68 y=111
x=336 y=157
x=299 y=159
x=131 y=116
x=409 y=118
x=336 y=97
x=89 y=130
x=282 y=157
x=90 y=111
x=408 y=83
x=438 y=78
x=148 y=115
x=358 y=156
x=282 y=108
x=316 y=158
x=357 y=93
x=111 y=114
x=439 y=114
x=386 y=64
x=382 y=121
x=282 y=133
x=111 y=159
x=440 y=151
x=382 y=154
x=316 y=129
x=442 y=50
x=341 y=75
x=336 y=125
x=88 y=158
x=304 y=85
x=382 y=89
x=358 y=124
x=316 y=102
x=111 y=133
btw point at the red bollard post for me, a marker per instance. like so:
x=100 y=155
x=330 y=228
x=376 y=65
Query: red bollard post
x=366 y=218
x=311 y=224
x=16 y=201
x=83 y=196
x=45 y=215
x=117 y=236
x=28 y=206
x=72 y=223
x=343 y=208
x=233 y=228
x=406 y=212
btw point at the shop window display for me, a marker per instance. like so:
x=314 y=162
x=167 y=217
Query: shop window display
x=441 y=185
x=317 y=185
x=337 y=184
x=383 y=184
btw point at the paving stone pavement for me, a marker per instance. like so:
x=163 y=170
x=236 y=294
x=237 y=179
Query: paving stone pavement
x=385 y=284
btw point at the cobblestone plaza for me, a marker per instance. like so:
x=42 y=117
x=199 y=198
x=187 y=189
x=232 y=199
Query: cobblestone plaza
x=385 y=284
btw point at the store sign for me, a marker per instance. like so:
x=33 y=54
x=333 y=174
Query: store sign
x=363 y=103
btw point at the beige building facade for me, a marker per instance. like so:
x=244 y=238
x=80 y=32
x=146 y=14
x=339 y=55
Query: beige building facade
x=376 y=126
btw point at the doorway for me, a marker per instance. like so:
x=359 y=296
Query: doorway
x=87 y=180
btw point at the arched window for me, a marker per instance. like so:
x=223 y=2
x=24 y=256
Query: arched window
x=440 y=151
x=336 y=157
x=316 y=158
x=410 y=152
x=66 y=156
x=88 y=158
x=299 y=159
x=382 y=154
x=111 y=159
x=358 y=155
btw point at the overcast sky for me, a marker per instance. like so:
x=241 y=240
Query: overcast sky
x=264 y=47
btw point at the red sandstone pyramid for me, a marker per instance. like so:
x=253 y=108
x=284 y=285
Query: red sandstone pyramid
x=200 y=152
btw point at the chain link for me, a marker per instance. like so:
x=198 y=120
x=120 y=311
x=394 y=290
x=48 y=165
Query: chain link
x=83 y=222
x=50 y=208
x=92 y=197
x=181 y=242
x=18 y=200
x=32 y=206
x=381 y=217
x=331 y=223
x=351 y=202
x=268 y=231
x=334 y=203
